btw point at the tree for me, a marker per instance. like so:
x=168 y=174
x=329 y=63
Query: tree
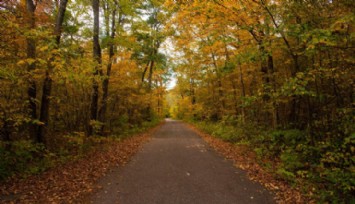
x=279 y=65
x=47 y=86
x=31 y=54
x=97 y=70
x=111 y=52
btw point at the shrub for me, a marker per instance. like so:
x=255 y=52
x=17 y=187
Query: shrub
x=21 y=156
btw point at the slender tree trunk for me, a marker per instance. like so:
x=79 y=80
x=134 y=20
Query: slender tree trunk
x=145 y=70
x=193 y=96
x=97 y=58
x=221 y=103
x=235 y=96
x=294 y=100
x=220 y=93
x=150 y=76
x=243 y=92
x=159 y=99
x=105 y=83
x=192 y=91
x=47 y=86
x=213 y=97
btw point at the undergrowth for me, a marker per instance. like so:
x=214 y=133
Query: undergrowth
x=23 y=157
x=323 y=169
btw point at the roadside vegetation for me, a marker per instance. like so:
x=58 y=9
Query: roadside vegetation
x=73 y=180
x=323 y=174
x=278 y=77
x=75 y=76
x=23 y=158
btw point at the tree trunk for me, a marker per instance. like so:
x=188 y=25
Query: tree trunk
x=105 y=83
x=150 y=76
x=243 y=92
x=295 y=100
x=47 y=86
x=32 y=88
x=235 y=96
x=193 y=97
x=145 y=71
x=97 y=58
x=221 y=102
x=275 y=112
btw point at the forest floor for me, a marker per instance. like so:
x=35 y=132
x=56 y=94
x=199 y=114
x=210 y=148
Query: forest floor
x=71 y=182
x=177 y=166
x=243 y=157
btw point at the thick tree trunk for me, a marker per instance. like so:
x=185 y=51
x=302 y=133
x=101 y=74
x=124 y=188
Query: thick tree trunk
x=97 y=58
x=31 y=54
x=47 y=86
x=275 y=112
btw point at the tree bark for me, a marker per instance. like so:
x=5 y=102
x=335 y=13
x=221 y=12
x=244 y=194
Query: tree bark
x=235 y=98
x=221 y=102
x=150 y=76
x=145 y=71
x=32 y=87
x=105 y=83
x=97 y=58
x=243 y=92
x=47 y=86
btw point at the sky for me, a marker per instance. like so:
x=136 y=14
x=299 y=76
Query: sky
x=171 y=83
x=168 y=49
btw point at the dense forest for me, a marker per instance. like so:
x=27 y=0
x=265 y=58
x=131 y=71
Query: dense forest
x=75 y=69
x=276 y=76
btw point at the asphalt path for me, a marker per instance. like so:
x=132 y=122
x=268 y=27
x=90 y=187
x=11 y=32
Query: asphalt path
x=178 y=167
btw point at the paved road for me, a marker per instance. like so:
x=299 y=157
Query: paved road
x=178 y=167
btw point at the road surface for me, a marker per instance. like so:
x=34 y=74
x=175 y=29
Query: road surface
x=178 y=167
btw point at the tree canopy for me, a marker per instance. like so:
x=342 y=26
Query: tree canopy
x=100 y=67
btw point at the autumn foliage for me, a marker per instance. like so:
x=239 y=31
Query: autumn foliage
x=278 y=76
x=70 y=70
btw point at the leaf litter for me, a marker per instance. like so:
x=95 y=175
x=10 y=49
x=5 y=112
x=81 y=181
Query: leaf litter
x=246 y=159
x=72 y=182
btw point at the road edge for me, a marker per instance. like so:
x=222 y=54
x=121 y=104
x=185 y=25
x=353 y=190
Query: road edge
x=244 y=158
